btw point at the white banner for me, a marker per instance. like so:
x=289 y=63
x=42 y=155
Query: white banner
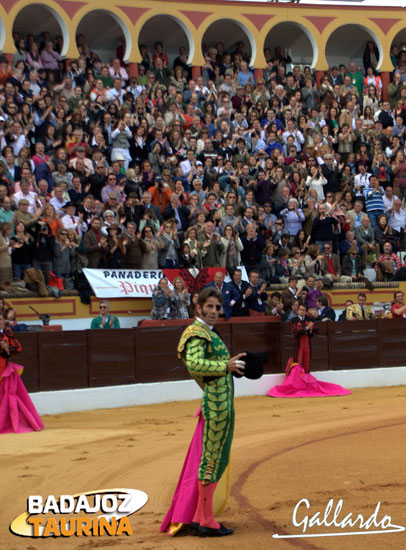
x=122 y=283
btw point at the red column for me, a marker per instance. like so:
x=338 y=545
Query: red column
x=68 y=61
x=132 y=69
x=196 y=71
x=319 y=75
x=385 y=75
x=258 y=73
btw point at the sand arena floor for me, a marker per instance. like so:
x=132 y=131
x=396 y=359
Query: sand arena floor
x=284 y=450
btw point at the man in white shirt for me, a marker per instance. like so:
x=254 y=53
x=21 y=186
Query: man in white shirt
x=201 y=88
x=116 y=92
x=135 y=88
x=394 y=143
x=397 y=221
x=189 y=165
x=388 y=199
x=298 y=138
x=70 y=221
x=17 y=138
x=361 y=181
x=58 y=201
x=25 y=193
x=34 y=86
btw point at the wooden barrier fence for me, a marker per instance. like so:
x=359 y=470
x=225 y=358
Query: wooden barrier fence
x=92 y=358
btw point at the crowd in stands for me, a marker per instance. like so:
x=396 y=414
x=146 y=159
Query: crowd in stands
x=276 y=173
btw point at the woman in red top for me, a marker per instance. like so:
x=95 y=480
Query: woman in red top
x=5 y=69
x=52 y=218
x=399 y=171
x=159 y=52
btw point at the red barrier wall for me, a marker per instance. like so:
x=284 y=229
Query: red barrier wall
x=92 y=358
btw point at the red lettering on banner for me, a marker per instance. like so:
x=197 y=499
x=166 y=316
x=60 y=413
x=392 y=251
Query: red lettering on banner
x=129 y=288
x=126 y=287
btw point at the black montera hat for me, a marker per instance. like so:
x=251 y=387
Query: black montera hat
x=254 y=365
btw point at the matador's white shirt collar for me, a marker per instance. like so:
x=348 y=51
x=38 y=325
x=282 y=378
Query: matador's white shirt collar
x=204 y=323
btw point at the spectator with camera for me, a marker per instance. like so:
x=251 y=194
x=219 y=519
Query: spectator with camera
x=42 y=248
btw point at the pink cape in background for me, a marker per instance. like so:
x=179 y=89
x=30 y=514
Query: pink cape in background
x=298 y=383
x=17 y=411
x=184 y=501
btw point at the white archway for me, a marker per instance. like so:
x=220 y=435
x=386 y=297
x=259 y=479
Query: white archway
x=295 y=37
x=171 y=31
x=230 y=32
x=2 y=34
x=38 y=18
x=347 y=43
x=104 y=31
x=399 y=39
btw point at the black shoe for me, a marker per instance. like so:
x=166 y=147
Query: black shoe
x=194 y=526
x=210 y=532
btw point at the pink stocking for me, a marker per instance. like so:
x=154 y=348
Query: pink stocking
x=204 y=511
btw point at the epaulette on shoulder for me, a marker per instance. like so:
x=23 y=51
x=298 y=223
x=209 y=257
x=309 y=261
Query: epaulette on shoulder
x=192 y=331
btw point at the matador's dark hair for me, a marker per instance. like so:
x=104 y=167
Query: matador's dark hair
x=207 y=293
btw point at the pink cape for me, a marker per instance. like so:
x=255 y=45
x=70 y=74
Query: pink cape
x=186 y=496
x=17 y=411
x=298 y=383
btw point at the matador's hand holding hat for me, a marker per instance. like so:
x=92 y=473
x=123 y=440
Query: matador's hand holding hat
x=254 y=365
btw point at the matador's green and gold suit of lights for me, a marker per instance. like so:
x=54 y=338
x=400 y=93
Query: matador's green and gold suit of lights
x=206 y=357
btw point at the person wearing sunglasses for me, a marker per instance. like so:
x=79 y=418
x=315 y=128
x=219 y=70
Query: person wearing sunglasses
x=105 y=320
x=208 y=361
